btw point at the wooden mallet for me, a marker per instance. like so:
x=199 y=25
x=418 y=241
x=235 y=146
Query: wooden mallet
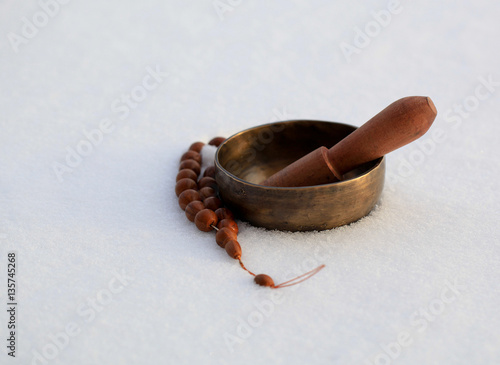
x=400 y=123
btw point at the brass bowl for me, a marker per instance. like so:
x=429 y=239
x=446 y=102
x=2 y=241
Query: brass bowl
x=249 y=157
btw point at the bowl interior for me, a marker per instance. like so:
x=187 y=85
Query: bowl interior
x=257 y=153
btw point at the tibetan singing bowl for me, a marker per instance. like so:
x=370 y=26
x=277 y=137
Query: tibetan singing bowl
x=251 y=156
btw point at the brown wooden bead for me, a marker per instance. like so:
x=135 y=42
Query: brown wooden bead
x=233 y=249
x=207 y=181
x=205 y=220
x=191 y=155
x=228 y=223
x=264 y=280
x=197 y=146
x=207 y=192
x=224 y=213
x=213 y=203
x=209 y=172
x=224 y=235
x=185 y=184
x=193 y=208
x=188 y=196
x=216 y=141
x=186 y=173
x=191 y=165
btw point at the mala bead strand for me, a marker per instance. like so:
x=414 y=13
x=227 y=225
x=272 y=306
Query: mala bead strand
x=186 y=173
x=228 y=223
x=185 y=184
x=206 y=220
x=191 y=155
x=196 y=146
x=233 y=249
x=209 y=172
x=193 y=208
x=224 y=235
x=264 y=280
x=207 y=182
x=224 y=213
x=216 y=141
x=190 y=165
x=188 y=196
x=198 y=199
x=207 y=192
x=213 y=203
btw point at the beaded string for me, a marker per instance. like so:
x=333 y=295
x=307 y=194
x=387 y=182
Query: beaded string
x=241 y=262
x=199 y=199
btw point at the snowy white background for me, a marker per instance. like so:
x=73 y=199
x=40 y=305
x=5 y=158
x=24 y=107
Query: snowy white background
x=384 y=296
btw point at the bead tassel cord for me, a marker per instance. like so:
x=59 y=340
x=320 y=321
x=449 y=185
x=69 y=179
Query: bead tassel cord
x=244 y=268
x=201 y=204
x=304 y=277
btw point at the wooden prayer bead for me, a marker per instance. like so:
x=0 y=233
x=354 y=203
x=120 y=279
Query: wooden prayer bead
x=207 y=192
x=191 y=165
x=186 y=173
x=213 y=203
x=188 y=196
x=185 y=184
x=193 y=208
x=209 y=172
x=216 y=141
x=197 y=146
x=191 y=155
x=233 y=249
x=205 y=220
x=228 y=223
x=264 y=280
x=224 y=235
x=207 y=181
x=224 y=213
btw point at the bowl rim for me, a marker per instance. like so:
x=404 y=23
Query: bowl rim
x=278 y=188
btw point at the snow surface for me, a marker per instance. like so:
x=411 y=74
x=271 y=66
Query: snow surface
x=422 y=269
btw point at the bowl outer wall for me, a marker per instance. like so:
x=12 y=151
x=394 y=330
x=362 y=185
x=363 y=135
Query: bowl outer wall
x=303 y=208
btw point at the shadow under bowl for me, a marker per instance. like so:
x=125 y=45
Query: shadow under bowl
x=249 y=157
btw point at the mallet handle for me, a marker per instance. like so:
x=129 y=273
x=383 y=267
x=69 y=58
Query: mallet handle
x=400 y=123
